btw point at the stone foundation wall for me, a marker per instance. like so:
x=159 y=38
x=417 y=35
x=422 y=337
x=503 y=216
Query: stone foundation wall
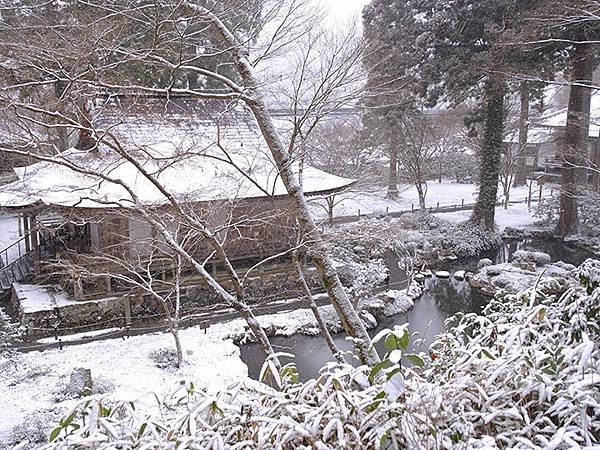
x=137 y=310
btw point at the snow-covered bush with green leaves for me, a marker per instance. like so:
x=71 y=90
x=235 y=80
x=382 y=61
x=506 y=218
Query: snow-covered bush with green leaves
x=524 y=374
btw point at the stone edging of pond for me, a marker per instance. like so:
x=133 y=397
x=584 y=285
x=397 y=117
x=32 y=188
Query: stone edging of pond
x=302 y=321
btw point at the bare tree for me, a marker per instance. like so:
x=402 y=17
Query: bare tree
x=417 y=151
x=520 y=178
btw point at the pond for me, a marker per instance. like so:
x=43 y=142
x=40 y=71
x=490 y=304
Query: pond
x=442 y=298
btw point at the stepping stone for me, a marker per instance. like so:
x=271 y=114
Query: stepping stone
x=459 y=274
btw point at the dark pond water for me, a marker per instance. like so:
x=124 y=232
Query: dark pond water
x=442 y=299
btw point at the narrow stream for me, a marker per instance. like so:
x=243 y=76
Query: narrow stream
x=443 y=297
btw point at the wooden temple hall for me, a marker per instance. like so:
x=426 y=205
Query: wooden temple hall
x=76 y=228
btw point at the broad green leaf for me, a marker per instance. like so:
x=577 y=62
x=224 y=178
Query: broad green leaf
x=415 y=359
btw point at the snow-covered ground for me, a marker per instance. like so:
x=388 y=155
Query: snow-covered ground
x=32 y=381
x=517 y=215
x=447 y=193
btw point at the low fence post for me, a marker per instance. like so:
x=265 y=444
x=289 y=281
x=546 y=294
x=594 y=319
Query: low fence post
x=462 y=202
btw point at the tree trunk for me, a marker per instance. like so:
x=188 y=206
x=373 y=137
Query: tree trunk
x=392 y=192
x=596 y=166
x=574 y=146
x=506 y=191
x=421 y=194
x=490 y=153
x=521 y=159
x=335 y=351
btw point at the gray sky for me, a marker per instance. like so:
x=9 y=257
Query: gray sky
x=342 y=10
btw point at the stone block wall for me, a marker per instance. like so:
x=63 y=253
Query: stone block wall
x=72 y=316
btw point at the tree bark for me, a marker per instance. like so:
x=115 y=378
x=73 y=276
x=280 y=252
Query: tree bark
x=575 y=143
x=490 y=153
x=335 y=351
x=521 y=159
x=596 y=166
x=421 y=193
x=392 y=192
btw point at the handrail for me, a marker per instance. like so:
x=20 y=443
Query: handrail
x=4 y=252
x=12 y=263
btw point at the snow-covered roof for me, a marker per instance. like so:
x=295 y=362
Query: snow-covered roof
x=534 y=136
x=559 y=118
x=198 y=150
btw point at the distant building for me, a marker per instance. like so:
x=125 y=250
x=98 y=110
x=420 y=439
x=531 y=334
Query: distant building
x=545 y=138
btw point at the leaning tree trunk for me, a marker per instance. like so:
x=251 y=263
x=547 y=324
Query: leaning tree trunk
x=335 y=351
x=574 y=146
x=490 y=153
x=521 y=159
x=392 y=191
x=254 y=99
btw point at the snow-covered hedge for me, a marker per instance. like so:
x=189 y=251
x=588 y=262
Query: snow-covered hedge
x=525 y=374
x=420 y=232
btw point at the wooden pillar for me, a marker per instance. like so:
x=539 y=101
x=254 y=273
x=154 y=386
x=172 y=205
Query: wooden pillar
x=26 y=232
x=34 y=232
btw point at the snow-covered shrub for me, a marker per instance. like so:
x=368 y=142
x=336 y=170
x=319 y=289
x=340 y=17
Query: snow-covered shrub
x=35 y=429
x=164 y=358
x=525 y=374
x=359 y=264
x=10 y=333
x=466 y=239
x=65 y=391
x=589 y=274
x=547 y=211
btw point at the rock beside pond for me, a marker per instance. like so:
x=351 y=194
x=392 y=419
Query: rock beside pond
x=520 y=275
x=483 y=263
x=460 y=274
x=442 y=274
x=368 y=319
x=538 y=258
x=392 y=302
x=398 y=302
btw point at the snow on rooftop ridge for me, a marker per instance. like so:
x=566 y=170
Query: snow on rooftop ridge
x=557 y=119
x=197 y=155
